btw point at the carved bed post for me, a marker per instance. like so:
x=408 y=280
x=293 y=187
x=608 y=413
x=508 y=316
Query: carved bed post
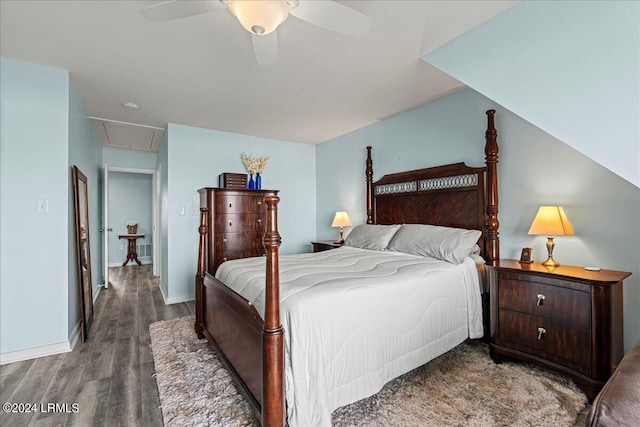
x=273 y=399
x=369 y=175
x=202 y=265
x=491 y=160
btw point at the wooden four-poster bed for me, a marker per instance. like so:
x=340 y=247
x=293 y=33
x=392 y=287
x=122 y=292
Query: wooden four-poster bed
x=251 y=340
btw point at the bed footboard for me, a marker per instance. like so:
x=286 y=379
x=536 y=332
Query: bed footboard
x=251 y=348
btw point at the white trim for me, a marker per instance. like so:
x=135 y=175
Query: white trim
x=35 y=352
x=75 y=335
x=131 y=170
x=175 y=300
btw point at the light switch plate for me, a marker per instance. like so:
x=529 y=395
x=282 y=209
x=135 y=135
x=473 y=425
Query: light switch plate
x=42 y=206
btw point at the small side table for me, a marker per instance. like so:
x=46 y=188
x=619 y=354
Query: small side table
x=325 y=245
x=132 y=252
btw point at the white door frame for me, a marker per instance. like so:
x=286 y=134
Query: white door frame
x=157 y=220
x=105 y=225
x=155 y=211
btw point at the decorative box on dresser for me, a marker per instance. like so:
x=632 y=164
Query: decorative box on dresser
x=236 y=223
x=567 y=319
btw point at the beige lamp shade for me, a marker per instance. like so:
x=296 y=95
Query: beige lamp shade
x=551 y=221
x=341 y=220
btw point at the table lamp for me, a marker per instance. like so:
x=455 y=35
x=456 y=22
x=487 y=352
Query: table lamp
x=341 y=220
x=551 y=221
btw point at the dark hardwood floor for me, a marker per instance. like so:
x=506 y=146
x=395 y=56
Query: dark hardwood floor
x=110 y=376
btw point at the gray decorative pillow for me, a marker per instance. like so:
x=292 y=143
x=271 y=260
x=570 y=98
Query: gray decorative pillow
x=369 y=236
x=445 y=243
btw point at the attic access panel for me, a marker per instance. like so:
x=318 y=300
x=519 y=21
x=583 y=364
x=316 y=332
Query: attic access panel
x=128 y=135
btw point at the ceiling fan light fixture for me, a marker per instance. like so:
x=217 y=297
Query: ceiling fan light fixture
x=259 y=17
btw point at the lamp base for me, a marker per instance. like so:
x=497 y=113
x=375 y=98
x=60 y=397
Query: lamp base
x=550 y=262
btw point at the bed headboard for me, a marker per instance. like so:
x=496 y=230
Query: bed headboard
x=454 y=195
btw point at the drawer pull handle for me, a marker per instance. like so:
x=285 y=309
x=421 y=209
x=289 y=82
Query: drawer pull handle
x=259 y=203
x=541 y=332
x=230 y=205
x=230 y=224
x=540 y=299
x=224 y=241
x=259 y=221
x=224 y=259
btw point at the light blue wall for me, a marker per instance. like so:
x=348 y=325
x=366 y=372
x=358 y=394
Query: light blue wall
x=569 y=67
x=404 y=142
x=85 y=152
x=603 y=207
x=129 y=200
x=195 y=159
x=34 y=156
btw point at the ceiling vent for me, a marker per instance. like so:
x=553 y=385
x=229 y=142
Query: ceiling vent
x=129 y=136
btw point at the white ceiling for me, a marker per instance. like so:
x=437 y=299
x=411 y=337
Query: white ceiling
x=200 y=71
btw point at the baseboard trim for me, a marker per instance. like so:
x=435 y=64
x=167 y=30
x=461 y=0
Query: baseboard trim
x=35 y=352
x=75 y=335
x=175 y=300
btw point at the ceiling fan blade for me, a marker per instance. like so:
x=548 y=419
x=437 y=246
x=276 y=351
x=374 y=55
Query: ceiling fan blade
x=265 y=48
x=333 y=16
x=176 y=9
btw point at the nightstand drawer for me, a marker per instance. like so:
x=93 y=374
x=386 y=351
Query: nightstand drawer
x=546 y=338
x=561 y=304
x=325 y=245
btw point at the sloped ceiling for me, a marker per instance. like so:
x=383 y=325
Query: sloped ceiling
x=570 y=68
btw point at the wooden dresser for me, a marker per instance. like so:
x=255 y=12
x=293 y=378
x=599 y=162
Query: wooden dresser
x=237 y=220
x=567 y=319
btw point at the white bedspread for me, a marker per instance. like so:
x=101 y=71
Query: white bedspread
x=355 y=319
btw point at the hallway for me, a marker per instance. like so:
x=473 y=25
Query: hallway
x=110 y=376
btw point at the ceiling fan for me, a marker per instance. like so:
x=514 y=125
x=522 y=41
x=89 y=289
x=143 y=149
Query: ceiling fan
x=262 y=17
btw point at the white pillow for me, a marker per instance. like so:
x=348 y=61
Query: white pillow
x=445 y=243
x=370 y=236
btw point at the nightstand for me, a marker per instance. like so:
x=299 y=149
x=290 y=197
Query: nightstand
x=567 y=319
x=325 y=245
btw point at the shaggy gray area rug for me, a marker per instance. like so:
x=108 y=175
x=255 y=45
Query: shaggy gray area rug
x=460 y=388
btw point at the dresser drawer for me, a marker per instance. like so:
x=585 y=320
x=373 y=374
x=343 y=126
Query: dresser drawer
x=223 y=256
x=238 y=241
x=559 y=342
x=231 y=204
x=565 y=305
x=240 y=222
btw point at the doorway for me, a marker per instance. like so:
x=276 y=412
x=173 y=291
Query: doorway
x=130 y=195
